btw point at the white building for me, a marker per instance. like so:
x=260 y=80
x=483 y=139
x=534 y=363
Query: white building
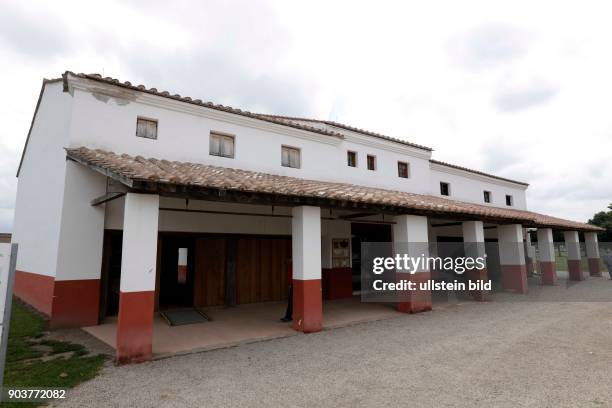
x=115 y=178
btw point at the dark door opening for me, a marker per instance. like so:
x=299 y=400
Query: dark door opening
x=110 y=278
x=360 y=233
x=173 y=292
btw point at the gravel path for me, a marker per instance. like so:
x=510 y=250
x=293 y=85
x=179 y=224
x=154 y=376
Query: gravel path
x=495 y=354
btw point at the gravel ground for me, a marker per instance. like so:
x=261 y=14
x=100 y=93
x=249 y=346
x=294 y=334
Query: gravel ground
x=504 y=353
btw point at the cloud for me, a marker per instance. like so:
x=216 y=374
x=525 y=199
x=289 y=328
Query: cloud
x=489 y=44
x=535 y=94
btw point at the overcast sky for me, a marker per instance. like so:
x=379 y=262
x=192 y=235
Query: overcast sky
x=520 y=89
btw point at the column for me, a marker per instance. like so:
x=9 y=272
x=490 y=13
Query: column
x=512 y=258
x=572 y=245
x=529 y=264
x=474 y=242
x=592 y=250
x=546 y=249
x=138 y=270
x=306 y=254
x=410 y=237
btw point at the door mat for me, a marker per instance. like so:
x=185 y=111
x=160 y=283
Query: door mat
x=180 y=317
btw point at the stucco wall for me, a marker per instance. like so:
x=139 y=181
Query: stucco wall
x=40 y=187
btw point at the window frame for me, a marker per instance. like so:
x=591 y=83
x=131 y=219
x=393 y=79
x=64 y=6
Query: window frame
x=147 y=119
x=509 y=198
x=399 y=163
x=373 y=157
x=348 y=155
x=222 y=135
x=448 y=188
x=490 y=196
x=299 y=152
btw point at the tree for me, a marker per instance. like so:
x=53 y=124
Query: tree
x=603 y=219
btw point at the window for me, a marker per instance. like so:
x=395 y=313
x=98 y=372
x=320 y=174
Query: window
x=290 y=157
x=487 y=196
x=371 y=162
x=508 y=200
x=221 y=144
x=444 y=189
x=351 y=159
x=402 y=170
x=146 y=128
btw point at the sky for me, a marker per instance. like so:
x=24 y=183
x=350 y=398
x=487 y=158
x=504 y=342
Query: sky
x=521 y=89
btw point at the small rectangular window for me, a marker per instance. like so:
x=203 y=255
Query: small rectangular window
x=402 y=170
x=351 y=159
x=371 y=162
x=444 y=189
x=221 y=144
x=509 y=200
x=146 y=128
x=290 y=157
x=487 y=196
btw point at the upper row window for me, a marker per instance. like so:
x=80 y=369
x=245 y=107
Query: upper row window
x=351 y=159
x=221 y=144
x=290 y=157
x=146 y=128
x=444 y=188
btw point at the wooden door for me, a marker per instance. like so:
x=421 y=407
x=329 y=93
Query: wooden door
x=209 y=283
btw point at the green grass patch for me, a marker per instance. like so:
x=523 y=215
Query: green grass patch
x=32 y=360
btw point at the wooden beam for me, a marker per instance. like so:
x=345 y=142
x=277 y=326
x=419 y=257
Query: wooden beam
x=106 y=198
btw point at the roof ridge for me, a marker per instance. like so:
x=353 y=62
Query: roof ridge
x=482 y=173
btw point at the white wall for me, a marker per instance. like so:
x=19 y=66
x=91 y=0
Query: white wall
x=465 y=186
x=40 y=187
x=82 y=226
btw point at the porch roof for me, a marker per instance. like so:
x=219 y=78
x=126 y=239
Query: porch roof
x=172 y=178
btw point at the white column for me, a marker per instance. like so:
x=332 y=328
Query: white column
x=592 y=250
x=410 y=236
x=138 y=271
x=546 y=250
x=306 y=254
x=474 y=242
x=572 y=245
x=512 y=257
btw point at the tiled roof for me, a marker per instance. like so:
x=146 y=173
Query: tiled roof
x=137 y=168
x=482 y=173
x=290 y=119
x=199 y=102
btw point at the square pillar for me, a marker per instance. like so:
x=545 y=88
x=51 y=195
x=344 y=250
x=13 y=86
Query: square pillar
x=592 y=250
x=546 y=249
x=572 y=245
x=306 y=254
x=138 y=270
x=410 y=237
x=474 y=243
x=512 y=258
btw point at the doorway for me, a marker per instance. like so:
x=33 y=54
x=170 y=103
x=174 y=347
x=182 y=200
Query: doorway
x=176 y=291
x=362 y=233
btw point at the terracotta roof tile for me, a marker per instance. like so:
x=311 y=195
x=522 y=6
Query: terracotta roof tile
x=207 y=176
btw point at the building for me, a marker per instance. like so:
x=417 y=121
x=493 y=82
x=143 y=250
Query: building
x=131 y=200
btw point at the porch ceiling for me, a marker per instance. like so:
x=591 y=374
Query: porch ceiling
x=200 y=181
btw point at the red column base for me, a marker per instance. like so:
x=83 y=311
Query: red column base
x=307 y=305
x=574 y=269
x=549 y=272
x=594 y=267
x=135 y=327
x=414 y=301
x=479 y=275
x=514 y=278
x=76 y=303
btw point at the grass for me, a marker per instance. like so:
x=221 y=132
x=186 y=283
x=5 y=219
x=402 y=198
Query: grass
x=35 y=362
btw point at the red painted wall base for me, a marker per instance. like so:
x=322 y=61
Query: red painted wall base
x=307 y=305
x=482 y=276
x=514 y=278
x=575 y=270
x=594 y=267
x=549 y=272
x=76 y=303
x=35 y=290
x=337 y=283
x=135 y=327
x=414 y=301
